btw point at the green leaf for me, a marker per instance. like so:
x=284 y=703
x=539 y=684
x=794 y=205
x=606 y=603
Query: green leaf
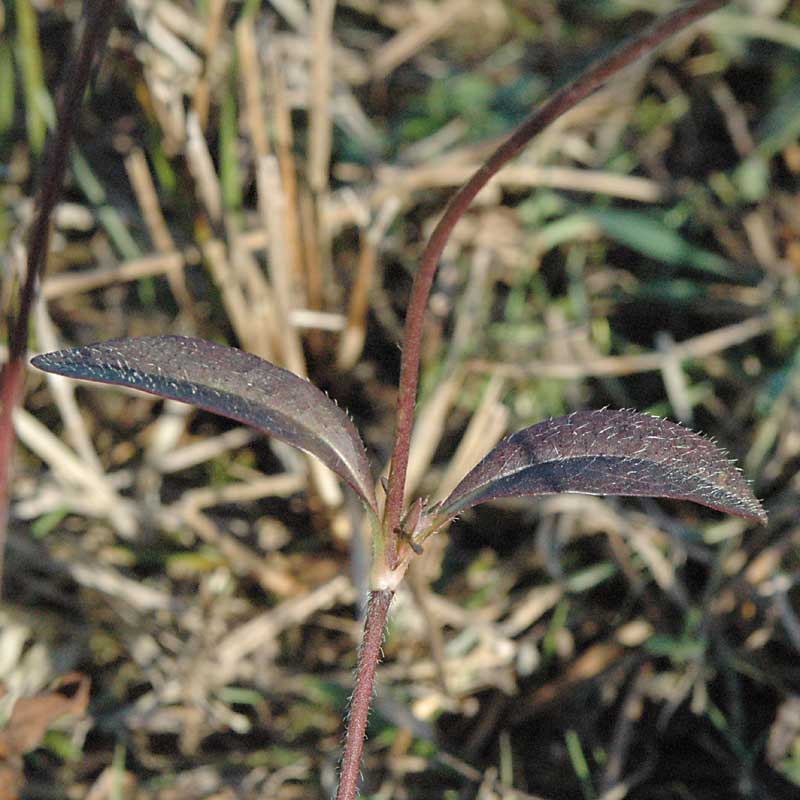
x=652 y=238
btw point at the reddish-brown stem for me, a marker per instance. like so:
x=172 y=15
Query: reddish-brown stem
x=564 y=100
x=96 y=20
x=369 y=655
x=10 y=390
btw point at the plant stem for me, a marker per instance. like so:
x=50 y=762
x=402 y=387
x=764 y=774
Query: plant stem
x=97 y=21
x=369 y=655
x=562 y=101
x=97 y=18
x=10 y=391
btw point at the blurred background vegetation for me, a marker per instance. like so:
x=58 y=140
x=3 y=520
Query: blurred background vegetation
x=265 y=174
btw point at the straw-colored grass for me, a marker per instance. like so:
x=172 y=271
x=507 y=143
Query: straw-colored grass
x=265 y=175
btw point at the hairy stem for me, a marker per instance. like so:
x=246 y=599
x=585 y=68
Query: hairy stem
x=369 y=655
x=565 y=99
x=96 y=21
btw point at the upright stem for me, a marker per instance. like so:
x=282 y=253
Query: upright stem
x=369 y=655
x=97 y=21
x=10 y=391
x=565 y=99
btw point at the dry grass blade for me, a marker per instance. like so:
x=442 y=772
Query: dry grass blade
x=237 y=308
x=284 y=143
x=249 y=637
x=202 y=166
x=147 y=197
x=96 y=491
x=133 y=270
x=312 y=237
x=486 y=427
x=213 y=31
x=252 y=85
x=273 y=206
x=351 y=343
x=523 y=176
x=413 y=38
x=321 y=119
x=697 y=347
x=242 y=561
x=64 y=396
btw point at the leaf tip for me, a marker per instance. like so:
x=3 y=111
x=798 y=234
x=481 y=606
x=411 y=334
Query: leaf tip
x=54 y=362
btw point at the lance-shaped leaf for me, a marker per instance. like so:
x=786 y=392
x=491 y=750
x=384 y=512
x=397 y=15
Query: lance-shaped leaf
x=607 y=453
x=231 y=383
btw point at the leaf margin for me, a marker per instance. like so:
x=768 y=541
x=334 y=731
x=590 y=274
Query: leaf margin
x=85 y=362
x=748 y=507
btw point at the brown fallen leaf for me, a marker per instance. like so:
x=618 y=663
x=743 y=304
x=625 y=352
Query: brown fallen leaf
x=30 y=720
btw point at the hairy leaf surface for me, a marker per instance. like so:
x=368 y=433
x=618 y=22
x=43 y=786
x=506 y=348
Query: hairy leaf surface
x=231 y=383
x=607 y=453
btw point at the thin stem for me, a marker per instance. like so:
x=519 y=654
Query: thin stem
x=565 y=99
x=369 y=655
x=97 y=21
x=10 y=391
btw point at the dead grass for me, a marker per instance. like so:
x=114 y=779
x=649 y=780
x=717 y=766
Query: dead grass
x=266 y=176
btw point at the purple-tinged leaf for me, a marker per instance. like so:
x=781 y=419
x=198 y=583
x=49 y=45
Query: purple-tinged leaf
x=607 y=453
x=231 y=383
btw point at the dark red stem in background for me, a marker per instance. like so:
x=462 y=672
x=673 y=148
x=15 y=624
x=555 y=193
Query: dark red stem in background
x=369 y=655
x=564 y=100
x=96 y=21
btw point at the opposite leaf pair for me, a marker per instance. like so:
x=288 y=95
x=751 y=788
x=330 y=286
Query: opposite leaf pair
x=590 y=452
